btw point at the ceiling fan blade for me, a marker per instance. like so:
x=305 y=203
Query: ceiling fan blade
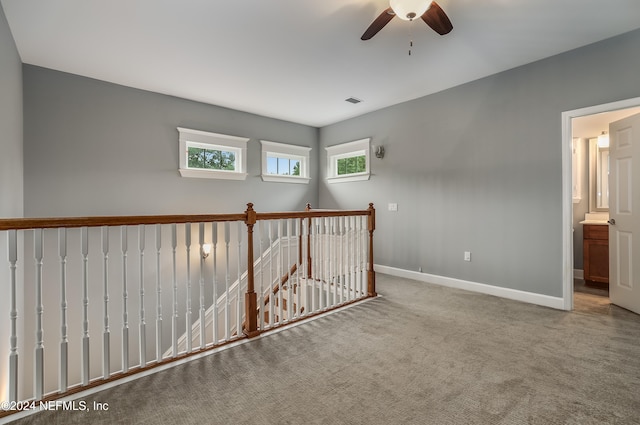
x=437 y=19
x=378 y=24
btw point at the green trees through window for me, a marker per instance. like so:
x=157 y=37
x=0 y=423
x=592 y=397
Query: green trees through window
x=352 y=165
x=211 y=159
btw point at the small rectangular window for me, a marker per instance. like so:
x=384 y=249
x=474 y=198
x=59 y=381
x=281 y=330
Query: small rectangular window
x=283 y=166
x=352 y=165
x=285 y=163
x=212 y=155
x=211 y=159
x=348 y=161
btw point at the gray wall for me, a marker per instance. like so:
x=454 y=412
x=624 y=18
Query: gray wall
x=10 y=169
x=10 y=124
x=95 y=148
x=478 y=168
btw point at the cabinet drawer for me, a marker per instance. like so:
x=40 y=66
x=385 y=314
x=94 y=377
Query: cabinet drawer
x=596 y=231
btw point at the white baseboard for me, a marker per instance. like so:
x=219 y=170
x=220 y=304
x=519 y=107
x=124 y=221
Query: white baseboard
x=578 y=274
x=512 y=294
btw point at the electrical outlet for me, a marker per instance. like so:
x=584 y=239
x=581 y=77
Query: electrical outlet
x=467 y=256
x=393 y=206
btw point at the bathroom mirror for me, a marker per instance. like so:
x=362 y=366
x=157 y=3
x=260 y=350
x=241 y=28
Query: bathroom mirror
x=598 y=176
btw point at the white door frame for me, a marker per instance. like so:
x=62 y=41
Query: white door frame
x=567 y=190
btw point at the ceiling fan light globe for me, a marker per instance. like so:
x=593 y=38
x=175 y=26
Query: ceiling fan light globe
x=409 y=9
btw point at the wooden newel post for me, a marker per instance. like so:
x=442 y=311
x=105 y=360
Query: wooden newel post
x=250 y=298
x=371 y=275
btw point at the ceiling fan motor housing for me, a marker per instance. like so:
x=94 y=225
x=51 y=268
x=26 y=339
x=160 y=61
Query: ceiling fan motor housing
x=409 y=9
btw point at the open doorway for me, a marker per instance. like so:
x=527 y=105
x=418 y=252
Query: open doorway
x=579 y=127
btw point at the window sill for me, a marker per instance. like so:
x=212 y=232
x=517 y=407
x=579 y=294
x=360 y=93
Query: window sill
x=349 y=178
x=285 y=179
x=212 y=174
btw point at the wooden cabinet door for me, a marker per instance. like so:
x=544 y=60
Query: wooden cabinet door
x=596 y=264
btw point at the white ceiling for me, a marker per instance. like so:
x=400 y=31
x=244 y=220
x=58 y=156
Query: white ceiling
x=298 y=60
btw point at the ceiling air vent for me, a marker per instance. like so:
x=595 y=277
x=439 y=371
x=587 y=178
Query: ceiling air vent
x=353 y=100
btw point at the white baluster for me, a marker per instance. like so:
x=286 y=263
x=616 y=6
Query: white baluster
x=320 y=253
x=125 y=297
x=354 y=259
x=214 y=240
x=158 y=294
x=261 y=272
x=348 y=246
x=351 y=232
x=202 y=310
x=343 y=253
x=321 y=262
x=345 y=260
x=187 y=236
x=327 y=261
x=174 y=314
x=330 y=249
x=39 y=349
x=106 y=333
x=227 y=318
x=290 y=297
x=142 y=340
x=360 y=255
x=326 y=237
x=271 y=315
x=339 y=259
x=305 y=266
x=239 y=294
x=345 y=257
x=332 y=262
x=314 y=263
x=298 y=237
x=84 y=236
x=363 y=258
x=279 y=271
x=13 y=315
x=339 y=248
x=63 y=377
x=341 y=262
x=354 y=246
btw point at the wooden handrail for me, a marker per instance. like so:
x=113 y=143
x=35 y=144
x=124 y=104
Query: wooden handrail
x=98 y=221
x=311 y=214
x=70 y=222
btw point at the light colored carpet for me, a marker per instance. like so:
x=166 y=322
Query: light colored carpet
x=419 y=354
x=588 y=299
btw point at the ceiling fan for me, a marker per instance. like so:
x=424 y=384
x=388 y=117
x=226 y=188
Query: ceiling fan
x=430 y=12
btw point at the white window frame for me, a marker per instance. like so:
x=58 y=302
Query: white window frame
x=204 y=139
x=346 y=150
x=284 y=150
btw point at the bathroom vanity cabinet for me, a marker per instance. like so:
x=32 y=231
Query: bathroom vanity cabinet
x=596 y=255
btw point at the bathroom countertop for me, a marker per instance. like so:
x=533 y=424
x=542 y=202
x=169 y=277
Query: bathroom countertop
x=601 y=222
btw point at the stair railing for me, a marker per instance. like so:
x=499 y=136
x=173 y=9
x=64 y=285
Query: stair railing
x=69 y=279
